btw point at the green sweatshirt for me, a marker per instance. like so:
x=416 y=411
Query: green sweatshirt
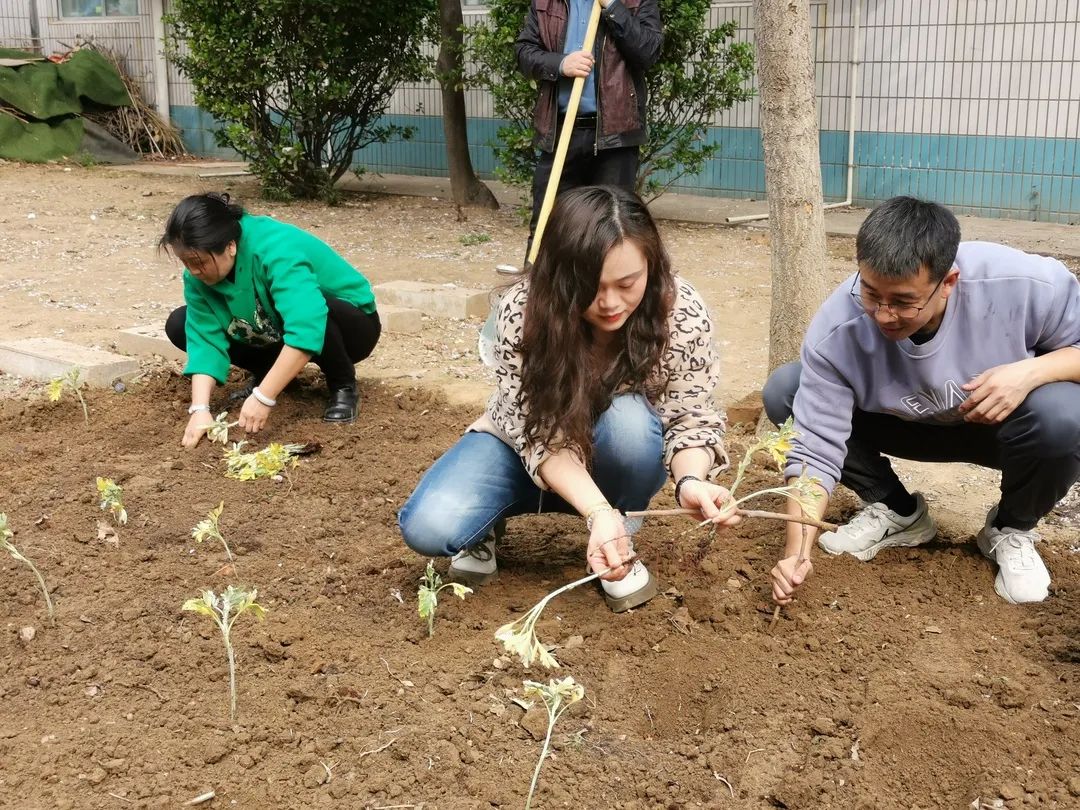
x=274 y=294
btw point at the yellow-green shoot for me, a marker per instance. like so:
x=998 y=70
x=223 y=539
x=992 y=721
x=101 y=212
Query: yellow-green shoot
x=777 y=443
x=519 y=637
x=427 y=595
x=218 y=430
x=224 y=610
x=558 y=696
x=111 y=500
x=209 y=529
x=271 y=460
x=5 y=542
x=70 y=380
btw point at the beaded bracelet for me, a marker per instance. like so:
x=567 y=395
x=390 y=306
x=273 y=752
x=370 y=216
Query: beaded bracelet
x=593 y=511
x=679 y=483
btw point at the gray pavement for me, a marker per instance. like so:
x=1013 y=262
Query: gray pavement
x=1037 y=237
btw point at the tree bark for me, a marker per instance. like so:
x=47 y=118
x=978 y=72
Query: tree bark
x=465 y=187
x=789 y=133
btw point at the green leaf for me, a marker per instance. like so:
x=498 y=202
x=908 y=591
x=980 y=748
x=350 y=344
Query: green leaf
x=426 y=602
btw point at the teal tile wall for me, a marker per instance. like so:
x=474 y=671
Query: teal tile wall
x=1016 y=178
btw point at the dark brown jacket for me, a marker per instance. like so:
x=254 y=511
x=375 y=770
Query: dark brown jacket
x=627 y=44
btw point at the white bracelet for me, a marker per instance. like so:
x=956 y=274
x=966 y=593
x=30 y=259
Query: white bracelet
x=263 y=398
x=198 y=408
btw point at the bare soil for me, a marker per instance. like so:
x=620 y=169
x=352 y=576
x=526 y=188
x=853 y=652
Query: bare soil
x=903 y=683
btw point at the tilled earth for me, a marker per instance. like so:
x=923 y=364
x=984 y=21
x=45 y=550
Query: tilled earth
x=901 y=683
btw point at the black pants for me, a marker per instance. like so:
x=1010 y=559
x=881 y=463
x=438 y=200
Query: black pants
x=583 y=167
x=351 y=335
x=1037 y=448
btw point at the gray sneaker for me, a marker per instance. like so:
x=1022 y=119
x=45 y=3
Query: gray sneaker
x=876 y=527
x=1022 y=575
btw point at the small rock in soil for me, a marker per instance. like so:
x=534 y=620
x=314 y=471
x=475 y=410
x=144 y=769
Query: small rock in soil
x=535 y=721
x=1074 y=786
x=26 y=634
x=823 y=726
x=1010 y=791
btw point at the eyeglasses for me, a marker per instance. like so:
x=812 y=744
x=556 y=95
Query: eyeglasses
x=902 y=311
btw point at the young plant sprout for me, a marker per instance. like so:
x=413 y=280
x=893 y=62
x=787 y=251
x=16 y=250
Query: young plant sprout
x=110 y=499
x=558 y=696
x=427 y=596
x=70 y=380
x=519 y=637
x=5 y=542
x=271 y=460
x=218 y=430
x=208 y=529
x=224 y=610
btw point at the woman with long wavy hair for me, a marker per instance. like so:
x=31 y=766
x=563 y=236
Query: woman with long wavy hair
x=606 y=369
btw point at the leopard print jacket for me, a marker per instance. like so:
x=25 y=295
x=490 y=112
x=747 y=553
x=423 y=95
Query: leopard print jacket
x=680 y=388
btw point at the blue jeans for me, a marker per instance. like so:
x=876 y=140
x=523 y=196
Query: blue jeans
x=481 y=480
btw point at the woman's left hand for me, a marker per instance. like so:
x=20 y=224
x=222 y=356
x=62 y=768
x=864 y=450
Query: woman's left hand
x=712 y=502
x=254 y=415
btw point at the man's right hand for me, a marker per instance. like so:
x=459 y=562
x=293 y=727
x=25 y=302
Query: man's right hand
x=787 y=575
x=577 y=64
x=196 y=428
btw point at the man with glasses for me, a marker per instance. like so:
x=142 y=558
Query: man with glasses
x=941 y=351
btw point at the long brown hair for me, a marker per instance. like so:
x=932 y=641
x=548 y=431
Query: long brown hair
x=564 y=387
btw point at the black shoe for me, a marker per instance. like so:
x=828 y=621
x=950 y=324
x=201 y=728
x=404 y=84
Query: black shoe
x=343 y=405
x=240 y=394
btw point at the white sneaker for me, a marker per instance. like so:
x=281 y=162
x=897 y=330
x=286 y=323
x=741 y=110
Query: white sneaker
x=633 y=590
x=876 y=527
x=476 y=565
x=1022 y=575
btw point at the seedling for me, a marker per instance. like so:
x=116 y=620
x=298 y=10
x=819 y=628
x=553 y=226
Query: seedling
x=218 y=430
x=470 y=239
x=70 y=380
x=519 y=637
x=5 y=541
x=427 y=596
x=558 y=696
x=271 y=460
x=224 y=610
x=209 y=529
x=110 y=499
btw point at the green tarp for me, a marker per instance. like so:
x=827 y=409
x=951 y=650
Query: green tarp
x=50 y=99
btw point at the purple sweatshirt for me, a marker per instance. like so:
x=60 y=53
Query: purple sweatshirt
x=1007 y=306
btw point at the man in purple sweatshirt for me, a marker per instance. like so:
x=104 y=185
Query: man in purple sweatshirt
x=936 y=350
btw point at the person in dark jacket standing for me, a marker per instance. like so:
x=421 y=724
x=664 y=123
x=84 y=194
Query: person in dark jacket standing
x=610 y=124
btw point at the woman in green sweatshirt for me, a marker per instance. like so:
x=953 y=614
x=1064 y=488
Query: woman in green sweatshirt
x=267 y=297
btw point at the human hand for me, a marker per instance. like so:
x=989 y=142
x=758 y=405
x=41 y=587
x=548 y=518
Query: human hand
x=609 y=546
x=787 y=575
x=253 y=415
x=712 y=502
x=997 y=392
x=578 y=63
x=197 y=424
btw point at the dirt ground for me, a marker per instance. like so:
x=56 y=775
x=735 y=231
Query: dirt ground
x=902 y=683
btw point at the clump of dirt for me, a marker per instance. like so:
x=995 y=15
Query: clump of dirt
x=902 y=683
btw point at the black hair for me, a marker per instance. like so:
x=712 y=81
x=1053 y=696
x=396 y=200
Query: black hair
x=204 y=222
x=903 y=234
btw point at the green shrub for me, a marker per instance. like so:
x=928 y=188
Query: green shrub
x=701 y=72
x=299 y=85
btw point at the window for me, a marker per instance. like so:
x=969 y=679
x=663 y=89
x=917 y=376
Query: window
x=99 y=8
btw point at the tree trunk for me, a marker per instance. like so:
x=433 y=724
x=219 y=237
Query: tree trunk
x=465 y=186
x=789 y=133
